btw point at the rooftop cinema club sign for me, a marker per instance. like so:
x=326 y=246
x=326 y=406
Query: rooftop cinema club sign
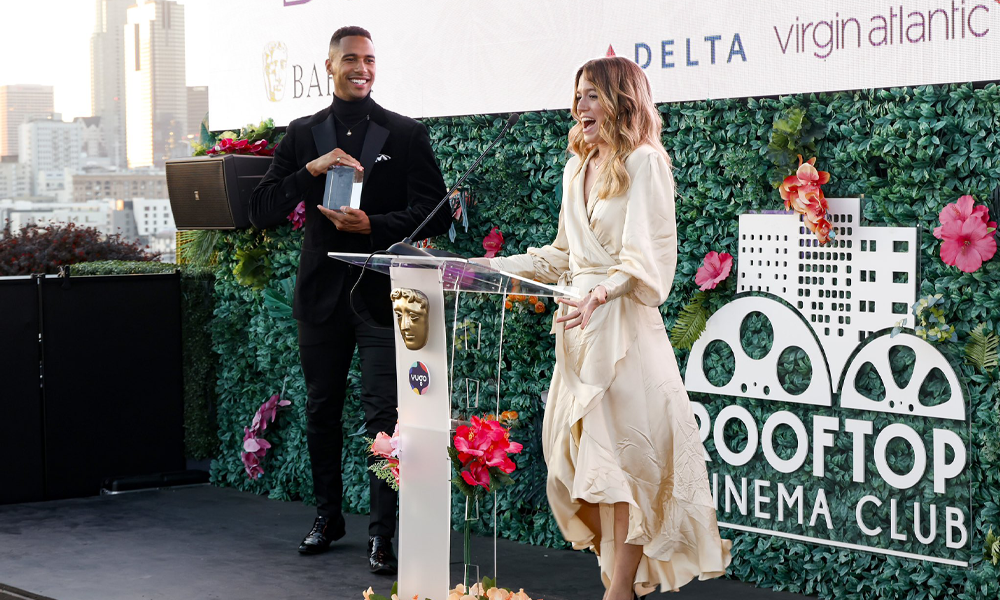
x=820 y=424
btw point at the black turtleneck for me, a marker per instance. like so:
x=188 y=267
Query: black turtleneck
x=352 y=115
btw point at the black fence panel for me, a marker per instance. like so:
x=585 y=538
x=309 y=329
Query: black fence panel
x=21 y=472
x=112 y=373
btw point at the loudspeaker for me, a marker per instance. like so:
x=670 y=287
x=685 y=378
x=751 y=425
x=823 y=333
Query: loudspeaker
x=213 y=192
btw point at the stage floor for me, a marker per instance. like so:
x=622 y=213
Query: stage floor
x=214 y=543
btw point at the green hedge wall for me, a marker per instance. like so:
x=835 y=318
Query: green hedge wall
x=201 y=438
x=910 y=151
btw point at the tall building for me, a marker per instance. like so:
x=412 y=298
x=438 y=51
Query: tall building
x=155 y=86
x=49 y=147
x=197 y=99
x=107 y=76
x=15 y=179
x=18 y=104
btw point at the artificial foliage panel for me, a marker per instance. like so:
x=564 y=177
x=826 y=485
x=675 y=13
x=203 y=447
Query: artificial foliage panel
x=908 y=151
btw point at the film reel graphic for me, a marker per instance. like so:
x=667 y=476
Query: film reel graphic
x=758 y=378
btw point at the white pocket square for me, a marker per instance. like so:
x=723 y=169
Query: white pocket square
x=382 y=157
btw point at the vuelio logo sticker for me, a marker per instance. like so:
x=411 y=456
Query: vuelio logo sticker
x=420 y=378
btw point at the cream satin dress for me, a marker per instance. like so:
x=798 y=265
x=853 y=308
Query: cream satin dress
x=618 y=425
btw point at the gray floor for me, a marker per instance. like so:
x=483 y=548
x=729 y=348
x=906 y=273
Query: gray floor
x=212 y=543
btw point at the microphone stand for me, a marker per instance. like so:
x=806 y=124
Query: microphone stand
x=406 y=247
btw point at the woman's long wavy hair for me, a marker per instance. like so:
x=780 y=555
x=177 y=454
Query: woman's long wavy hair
x=631 y=119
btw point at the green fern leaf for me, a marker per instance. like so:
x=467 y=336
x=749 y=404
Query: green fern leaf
x=981 y=350
x=690 y=322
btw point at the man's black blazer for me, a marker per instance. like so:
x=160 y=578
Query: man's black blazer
x=402 y=184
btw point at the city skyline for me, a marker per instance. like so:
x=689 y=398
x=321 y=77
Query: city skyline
x=63 y=60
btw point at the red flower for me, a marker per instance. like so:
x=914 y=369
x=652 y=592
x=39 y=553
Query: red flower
x=477 y=474
x=714 y=271
x=258 y=146
x=298 y=216
x=482 y=445
x=493 y=242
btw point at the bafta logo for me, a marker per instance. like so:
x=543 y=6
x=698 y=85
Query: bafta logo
x=410 y=308
x=275 y=61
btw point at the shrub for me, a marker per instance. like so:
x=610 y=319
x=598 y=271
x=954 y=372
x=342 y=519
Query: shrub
x=35 y=249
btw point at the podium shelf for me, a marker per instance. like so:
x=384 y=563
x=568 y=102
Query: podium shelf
x=460 y=274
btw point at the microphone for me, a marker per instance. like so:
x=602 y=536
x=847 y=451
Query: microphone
x=405 y=247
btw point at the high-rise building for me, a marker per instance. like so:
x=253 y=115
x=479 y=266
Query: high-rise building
x=49 y=147
x=155 y=86
x=18 y=104
x=197 y=98
x=107 y=76
x=15 y=179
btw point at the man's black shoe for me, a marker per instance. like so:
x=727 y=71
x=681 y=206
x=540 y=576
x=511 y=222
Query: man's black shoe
x=381 y=558
x=324 y=531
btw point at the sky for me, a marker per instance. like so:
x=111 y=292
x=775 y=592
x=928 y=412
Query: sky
x=47 y=42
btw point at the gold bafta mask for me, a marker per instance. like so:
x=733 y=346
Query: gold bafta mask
x=275 y=61
x=410 y=308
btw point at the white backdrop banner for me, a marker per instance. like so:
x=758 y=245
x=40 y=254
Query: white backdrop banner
x=455 y=57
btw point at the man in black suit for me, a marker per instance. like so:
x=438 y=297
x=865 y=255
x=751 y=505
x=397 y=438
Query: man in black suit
x=402 y=184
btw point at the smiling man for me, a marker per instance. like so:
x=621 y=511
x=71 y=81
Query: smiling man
x=402 y=184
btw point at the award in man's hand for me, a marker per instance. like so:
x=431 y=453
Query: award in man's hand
x=343 y=188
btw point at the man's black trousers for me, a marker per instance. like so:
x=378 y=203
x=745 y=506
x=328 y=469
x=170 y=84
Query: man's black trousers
x=326 y=351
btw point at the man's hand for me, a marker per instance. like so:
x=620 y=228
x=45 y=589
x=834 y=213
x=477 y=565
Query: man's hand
x=333 y=158
x=351 y=220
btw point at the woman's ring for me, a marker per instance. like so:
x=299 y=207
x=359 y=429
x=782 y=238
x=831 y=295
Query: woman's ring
x=338 y=159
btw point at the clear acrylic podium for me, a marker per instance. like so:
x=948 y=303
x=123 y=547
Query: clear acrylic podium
x=425 y=382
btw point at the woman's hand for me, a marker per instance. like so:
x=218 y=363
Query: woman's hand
x=584 y=308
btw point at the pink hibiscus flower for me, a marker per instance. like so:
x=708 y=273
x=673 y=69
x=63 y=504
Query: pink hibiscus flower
x=715 y=269
x=967 y=244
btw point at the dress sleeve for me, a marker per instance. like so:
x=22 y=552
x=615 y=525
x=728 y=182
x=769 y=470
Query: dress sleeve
x=648 y=258
x=545 y=264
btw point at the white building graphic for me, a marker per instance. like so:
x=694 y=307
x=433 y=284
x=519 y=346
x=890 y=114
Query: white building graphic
x=862 y=281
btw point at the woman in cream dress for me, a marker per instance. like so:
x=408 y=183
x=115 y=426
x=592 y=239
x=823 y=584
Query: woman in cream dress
x=626 y=467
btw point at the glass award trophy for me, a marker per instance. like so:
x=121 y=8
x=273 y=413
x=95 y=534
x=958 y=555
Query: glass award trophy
x=343 y=188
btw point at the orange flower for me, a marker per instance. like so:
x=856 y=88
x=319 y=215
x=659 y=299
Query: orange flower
x=532 y=299
x=508 y=415
x=540 y=307
x=507 y=304
x=516 y=298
